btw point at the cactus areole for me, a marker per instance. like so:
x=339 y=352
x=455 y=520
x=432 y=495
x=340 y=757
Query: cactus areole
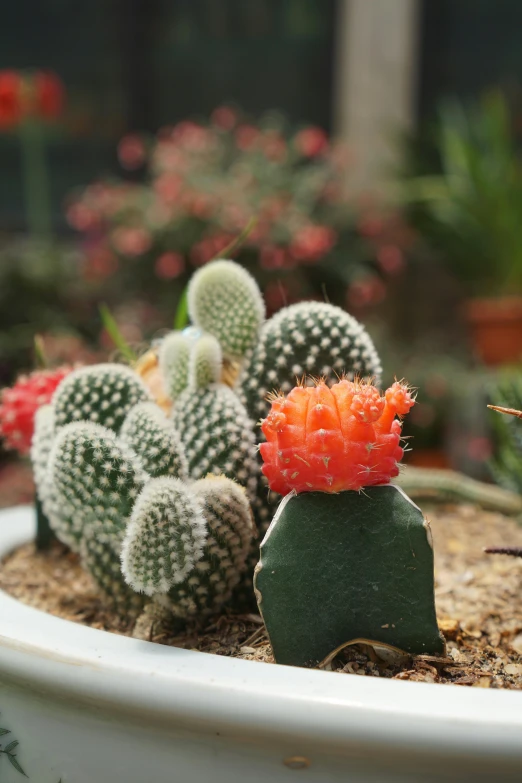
x=347 y=556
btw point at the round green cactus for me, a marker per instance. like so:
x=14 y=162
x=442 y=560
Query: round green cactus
x=312 y=339
x=100 y=393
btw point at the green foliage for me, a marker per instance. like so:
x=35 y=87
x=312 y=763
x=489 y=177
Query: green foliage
x=9 y=754
x=506 y=464
x=471 y=212
x=114 y=332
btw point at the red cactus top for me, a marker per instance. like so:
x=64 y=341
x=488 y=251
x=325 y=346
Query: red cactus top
x=334 y=439
x=18 y=406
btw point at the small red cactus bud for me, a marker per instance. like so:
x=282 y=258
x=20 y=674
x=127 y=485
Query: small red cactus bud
x=19 y=404
x=334 y=439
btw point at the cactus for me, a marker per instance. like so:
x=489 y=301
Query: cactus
x=121 y=497
x=217 y=435
x=308 y=338
x=101 y=393
x=189 y=543
x=164 y=538
x=152 y=436
x=174 y=355
x=347 y=556
x=224 y=300
x=339 y=567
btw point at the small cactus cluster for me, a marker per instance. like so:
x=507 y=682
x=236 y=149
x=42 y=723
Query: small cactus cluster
x=113 y=478
x=304 y=339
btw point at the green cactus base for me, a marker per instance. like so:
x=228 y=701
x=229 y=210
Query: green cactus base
x=339 y=567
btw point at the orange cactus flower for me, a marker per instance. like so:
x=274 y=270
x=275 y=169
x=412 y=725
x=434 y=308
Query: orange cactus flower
x=333 y=439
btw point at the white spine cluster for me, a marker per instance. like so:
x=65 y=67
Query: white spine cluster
x=230 y=530
x=95 y=478
x=218 y=436
x=206 y=363
x=100 y=393
x=152 y=436
x=165 y=536
x=174 y=355
x=41 y=447
x=225 y=300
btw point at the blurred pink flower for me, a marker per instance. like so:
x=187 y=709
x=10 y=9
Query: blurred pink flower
x=272 y=257
x=80 y=217
x=131 y=241
x=169 y=265
x=366 y=291
x=311 y=141
x=311 y=243
x=132 y=152
x=479 y=449
x=100 y=264
x=168 y=187
x=247 y=137
x=391 y=259
x=224 y=117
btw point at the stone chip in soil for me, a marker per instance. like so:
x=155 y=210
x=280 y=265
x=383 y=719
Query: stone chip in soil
x=478 y=596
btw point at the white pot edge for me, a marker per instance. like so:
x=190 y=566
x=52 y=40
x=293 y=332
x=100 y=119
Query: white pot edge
x=84 y=665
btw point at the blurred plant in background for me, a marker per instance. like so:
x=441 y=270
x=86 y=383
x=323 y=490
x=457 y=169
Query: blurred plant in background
x=506 y=464
x=205 y=181
x=471 y=212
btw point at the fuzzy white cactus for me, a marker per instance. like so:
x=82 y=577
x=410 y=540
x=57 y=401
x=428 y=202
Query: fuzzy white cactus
x=152 y=436
x=174 y=355
x=224 y=300
x=165 y=536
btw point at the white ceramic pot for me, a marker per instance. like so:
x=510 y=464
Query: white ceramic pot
x=91 y=707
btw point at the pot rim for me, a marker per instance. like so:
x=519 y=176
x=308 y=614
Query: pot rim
x=59 y=659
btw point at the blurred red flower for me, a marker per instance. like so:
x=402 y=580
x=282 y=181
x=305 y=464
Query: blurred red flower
x=312 y=242
x=10 y=98
x=49 y=94
x=132 y=152
x=311 y=141
x=39 y=94
x=169 y=266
